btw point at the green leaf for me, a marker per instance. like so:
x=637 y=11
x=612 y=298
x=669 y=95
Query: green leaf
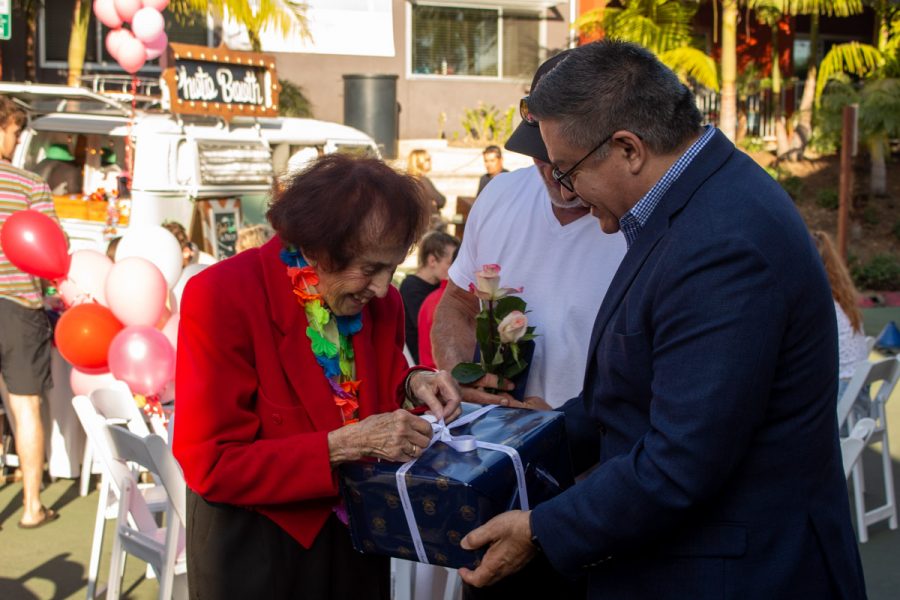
x=467 y=372
x=506 y=305
x=321 y=346
x=498 y=357
x=514 y=369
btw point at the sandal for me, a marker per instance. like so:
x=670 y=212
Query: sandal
x=48 y=515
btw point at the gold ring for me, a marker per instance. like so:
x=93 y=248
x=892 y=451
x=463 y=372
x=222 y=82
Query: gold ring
x=415 y=449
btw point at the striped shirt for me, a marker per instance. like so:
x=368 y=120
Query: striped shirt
x=634 y=220
x=21 y=190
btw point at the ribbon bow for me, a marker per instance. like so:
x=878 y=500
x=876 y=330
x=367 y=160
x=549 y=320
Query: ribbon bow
x=460 y=443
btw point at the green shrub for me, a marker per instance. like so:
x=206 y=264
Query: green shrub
x=773 y=172
x=880 y=273
x=753 y=144
x=828 y=198
x=793 y=185
x=487 y=124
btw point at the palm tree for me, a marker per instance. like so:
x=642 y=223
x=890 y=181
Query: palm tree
x=728 y=98
x=81 y=16
x=878 y=96
x=662 y=26
x=286 y=16
x=771 y=13
x=815 y=8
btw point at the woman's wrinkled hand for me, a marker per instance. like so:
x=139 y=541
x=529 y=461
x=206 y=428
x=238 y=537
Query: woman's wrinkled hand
x=438 y=391
x=397 y=436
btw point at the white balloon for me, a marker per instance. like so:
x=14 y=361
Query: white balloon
x=157 y=245
x=189 y=271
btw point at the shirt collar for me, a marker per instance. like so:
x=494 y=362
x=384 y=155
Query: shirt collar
x=634 y=220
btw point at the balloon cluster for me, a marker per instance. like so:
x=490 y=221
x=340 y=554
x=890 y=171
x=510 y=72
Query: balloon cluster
x=122 y=317
x=145 y=40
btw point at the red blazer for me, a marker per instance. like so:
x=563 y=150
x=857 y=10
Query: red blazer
x=254 y=407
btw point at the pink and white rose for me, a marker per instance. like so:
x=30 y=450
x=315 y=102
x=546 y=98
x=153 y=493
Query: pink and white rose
x=487 y=286
x=512 y=327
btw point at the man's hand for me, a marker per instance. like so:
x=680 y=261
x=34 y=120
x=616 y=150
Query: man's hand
x=531 y=403
x=509 y=536
x=487 y=391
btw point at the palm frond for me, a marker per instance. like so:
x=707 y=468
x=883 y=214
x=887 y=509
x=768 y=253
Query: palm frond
x=693 y=63
x=851 y=58
x=831 y=8
x=880 y=107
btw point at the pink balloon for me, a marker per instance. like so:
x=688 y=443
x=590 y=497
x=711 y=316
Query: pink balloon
x=114 y=39
x=143 y=358
x=84 y=383
x=127 y=8
x=136 y=291
x=86 y=281
x=170 y=330
x=147 y=24
x=155 y=48
x=131 y=54
x=159 y=5
x=105 y=11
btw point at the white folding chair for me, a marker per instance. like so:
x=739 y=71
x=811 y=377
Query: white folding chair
x=136 y=531
x=878 y=378
x=852 y=445
x=116 y=405
x=129 y=412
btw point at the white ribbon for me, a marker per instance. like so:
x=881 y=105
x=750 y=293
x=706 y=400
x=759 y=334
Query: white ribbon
x=460 y=443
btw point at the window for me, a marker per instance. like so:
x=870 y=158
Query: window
x=56 y=27
x=475 y=42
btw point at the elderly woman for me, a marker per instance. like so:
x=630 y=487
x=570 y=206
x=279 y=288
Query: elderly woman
x=290 y=362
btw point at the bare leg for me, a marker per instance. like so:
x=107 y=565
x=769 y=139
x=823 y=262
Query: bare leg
x=30 y=448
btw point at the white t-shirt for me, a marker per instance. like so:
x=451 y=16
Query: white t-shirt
x=565 y=271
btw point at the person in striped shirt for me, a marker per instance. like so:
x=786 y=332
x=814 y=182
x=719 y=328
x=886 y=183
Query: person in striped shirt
x=25 y=331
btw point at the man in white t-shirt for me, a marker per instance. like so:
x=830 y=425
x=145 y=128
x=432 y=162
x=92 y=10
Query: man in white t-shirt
x=558 y=253
x=555 y=250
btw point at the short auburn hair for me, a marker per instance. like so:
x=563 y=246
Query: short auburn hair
x=339 y=206
x=10 y=112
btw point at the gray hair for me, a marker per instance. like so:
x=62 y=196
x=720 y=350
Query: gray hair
x=611 y=85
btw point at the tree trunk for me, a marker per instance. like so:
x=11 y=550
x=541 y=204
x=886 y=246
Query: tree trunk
x=809 y=88
x=728 y=103
x=781 y=138
x=81 y=15
x=30 y=37
x=877 y=167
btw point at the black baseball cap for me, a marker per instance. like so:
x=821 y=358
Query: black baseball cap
x=526 y=139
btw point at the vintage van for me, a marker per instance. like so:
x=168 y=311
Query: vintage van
x=185 y=167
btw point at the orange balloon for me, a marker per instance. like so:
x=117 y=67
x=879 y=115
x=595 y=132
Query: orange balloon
x=83 y=335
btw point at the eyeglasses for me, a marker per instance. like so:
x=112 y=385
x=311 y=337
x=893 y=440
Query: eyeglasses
x=565 y=179
x=526 y=115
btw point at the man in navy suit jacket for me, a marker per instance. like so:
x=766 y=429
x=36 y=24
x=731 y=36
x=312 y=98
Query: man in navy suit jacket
x=712 y=369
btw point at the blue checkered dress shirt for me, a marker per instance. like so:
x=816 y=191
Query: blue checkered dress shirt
x=634 y=220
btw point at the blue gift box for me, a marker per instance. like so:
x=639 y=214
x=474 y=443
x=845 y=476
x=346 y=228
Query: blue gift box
x=452 y=492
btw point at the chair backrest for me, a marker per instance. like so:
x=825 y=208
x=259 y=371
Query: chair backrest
x=152 y=453
x=97 y=430
x=852 y=446
x=116 y=403
x=886 y=371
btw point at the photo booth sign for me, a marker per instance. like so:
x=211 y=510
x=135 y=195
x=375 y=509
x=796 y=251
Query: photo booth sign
x=220 y=82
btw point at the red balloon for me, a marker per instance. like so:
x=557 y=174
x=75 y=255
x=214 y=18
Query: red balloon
x=36 y=244
x=83 y=336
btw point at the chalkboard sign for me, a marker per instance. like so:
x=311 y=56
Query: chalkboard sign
x=221 y=82
x=219 y=221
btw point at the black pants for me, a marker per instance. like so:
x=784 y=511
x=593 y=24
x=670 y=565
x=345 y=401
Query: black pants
x=537 y=580
x=237 y=553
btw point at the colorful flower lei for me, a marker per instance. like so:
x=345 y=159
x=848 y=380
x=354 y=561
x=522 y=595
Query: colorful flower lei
x=329 y=335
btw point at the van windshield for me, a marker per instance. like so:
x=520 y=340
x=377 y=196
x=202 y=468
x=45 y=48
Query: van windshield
x=74 y=163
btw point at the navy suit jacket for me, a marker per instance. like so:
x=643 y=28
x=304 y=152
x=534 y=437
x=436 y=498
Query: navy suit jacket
x=712 y=372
